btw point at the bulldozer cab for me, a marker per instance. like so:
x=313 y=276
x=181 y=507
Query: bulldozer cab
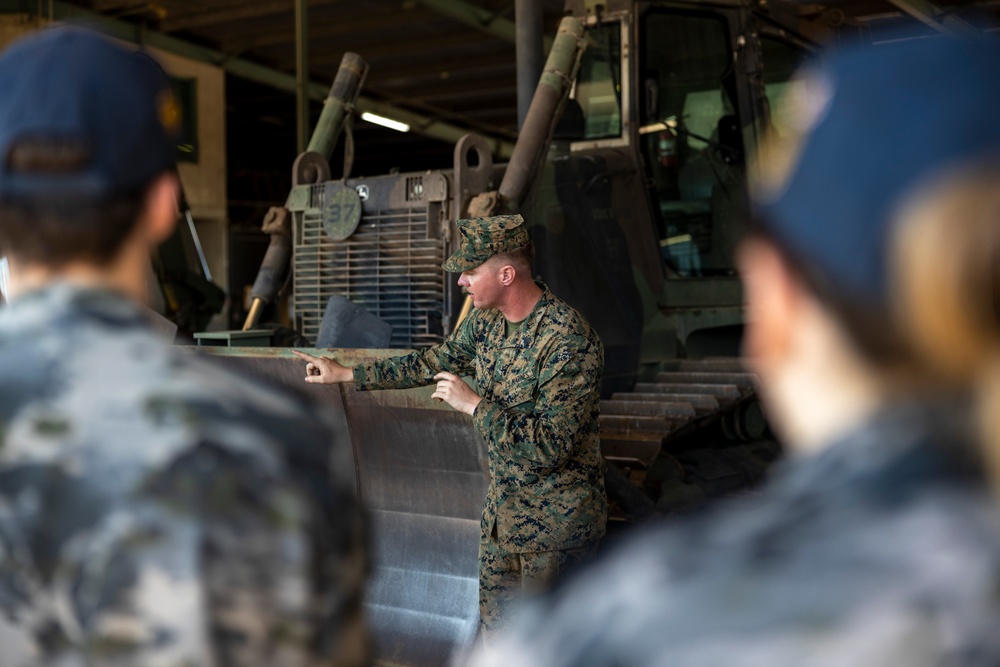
x=685 y=91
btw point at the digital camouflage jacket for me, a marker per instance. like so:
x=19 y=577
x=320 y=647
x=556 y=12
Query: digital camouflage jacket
x=156 y=508
x=538 y=417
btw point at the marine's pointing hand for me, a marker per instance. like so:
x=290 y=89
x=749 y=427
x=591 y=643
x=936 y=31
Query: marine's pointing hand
x=324 y=370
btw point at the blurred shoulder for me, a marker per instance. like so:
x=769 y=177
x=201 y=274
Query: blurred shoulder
x=234 y=403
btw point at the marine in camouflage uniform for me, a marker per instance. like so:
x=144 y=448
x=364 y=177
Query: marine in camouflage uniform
x=546 y=506
x=156 y=508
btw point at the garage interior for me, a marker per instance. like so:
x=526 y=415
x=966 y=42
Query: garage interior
x=252 y=77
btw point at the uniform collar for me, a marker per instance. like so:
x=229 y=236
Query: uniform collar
x=908 y=443
x=54 y=301
x=524 y=337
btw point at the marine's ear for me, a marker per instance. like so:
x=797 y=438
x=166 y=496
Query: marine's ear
x=507 y=273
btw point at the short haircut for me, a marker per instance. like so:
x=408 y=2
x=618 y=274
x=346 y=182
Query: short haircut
x=522 y=258
x=58 y=231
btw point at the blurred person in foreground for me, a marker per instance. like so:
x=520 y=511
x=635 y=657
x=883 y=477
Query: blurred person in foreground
x=875 y=543
x=954 y=310
x=155 y=508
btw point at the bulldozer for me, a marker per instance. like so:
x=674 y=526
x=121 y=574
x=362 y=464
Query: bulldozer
x=630 y=170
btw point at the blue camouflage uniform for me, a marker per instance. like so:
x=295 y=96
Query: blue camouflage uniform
x=157 y=508
x=881 y=550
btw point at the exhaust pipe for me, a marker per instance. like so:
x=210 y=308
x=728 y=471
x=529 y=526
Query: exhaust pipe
x=312 y=166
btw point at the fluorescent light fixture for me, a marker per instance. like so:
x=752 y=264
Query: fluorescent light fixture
x=385 y=122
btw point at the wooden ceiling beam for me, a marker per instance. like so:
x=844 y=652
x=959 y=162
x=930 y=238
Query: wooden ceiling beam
x=479 y=18
x=227 y=14
x=326 y=29
x=408 y=51
x=456 y=70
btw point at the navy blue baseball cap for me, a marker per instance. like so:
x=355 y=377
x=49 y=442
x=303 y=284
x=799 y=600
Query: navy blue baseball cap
x=873 y=127
x=82 y=117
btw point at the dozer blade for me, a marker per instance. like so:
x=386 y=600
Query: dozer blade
x=421 y=472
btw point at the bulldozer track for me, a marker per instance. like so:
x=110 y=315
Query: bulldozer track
x=637 y=425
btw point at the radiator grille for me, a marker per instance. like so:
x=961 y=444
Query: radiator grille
x=388 y=266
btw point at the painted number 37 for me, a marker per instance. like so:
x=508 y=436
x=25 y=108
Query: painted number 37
x=336 y=212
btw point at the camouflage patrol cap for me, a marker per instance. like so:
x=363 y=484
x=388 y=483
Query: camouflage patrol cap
x=484 y=237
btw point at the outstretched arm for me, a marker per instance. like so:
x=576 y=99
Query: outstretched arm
x=455 y=355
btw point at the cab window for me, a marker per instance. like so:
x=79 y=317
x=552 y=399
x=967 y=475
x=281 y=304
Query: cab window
x=691 y=139
x=597 y=93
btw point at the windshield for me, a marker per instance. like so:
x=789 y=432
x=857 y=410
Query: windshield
x=692 y=140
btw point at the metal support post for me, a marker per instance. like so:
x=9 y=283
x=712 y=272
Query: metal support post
x=528 y=44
